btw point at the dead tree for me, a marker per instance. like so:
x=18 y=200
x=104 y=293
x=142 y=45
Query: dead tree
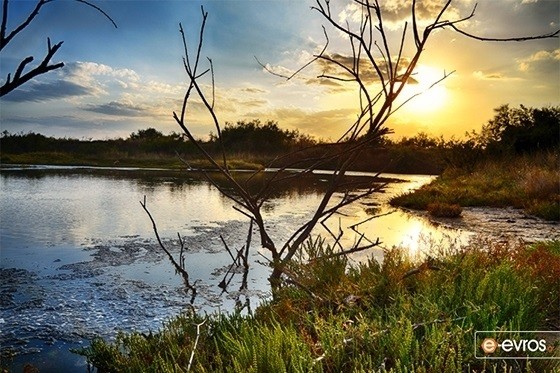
x=371 y=61
x=19 y=78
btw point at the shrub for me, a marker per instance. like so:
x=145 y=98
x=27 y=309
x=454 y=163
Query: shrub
x=540 y=183
x=444 y=210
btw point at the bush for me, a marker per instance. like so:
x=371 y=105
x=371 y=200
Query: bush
x=255 y=136
x=444 y=210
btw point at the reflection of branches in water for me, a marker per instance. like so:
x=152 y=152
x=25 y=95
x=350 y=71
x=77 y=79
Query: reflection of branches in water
x=239 y=260
x=179 y=266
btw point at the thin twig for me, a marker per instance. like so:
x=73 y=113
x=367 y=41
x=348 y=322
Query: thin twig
x=195 y=344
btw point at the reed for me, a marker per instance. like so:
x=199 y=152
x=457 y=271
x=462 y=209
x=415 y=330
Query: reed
x=530 y=182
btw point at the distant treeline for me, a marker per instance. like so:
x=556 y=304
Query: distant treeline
x=250 y=137
x=511 y=131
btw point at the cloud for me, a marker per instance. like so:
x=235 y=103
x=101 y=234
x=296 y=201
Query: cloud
x=117 y=108
x=45 y=91
x=87 y=70
x=396 y=12
x=278 y=70
x=75 y=79
x=253 y=90
x=368 y=73
x=332 y=85
x=487 y=76
x=542 y=60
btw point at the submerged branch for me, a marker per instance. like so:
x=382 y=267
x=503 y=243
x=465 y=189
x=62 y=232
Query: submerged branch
x=178 y=268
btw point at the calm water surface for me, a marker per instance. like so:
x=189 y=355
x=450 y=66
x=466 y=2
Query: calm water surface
x=78 y=256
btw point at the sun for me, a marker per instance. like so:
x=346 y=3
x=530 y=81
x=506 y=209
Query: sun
x=429 y=97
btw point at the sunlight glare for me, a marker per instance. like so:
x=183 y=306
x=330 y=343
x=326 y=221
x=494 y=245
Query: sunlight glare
x=430 y=99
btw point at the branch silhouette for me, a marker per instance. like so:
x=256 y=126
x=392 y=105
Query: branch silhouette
x=45 y=66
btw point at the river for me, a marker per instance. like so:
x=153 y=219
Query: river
x=79 y=259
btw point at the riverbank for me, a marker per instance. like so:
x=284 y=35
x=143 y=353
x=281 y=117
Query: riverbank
x=530 y=182
x=249 y=145
x=395 y=160
x=406 y=314
x=139 y=161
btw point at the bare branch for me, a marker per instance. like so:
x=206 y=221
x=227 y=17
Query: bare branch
x=96 y=8
x=288 y=77
x=44 y=67
x=177 y=266
x=519 y=38
x=445 y=76
x=4 y=21
x=5 y=40
x=390 y=76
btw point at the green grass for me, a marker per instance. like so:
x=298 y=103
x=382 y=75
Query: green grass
x=531 y=183
x=402 y=315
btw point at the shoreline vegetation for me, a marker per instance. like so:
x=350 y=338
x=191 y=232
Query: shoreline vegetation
x=249 y=146
x=406 y=314
x=529 y=182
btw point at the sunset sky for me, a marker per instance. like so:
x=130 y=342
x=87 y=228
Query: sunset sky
x=118 y=80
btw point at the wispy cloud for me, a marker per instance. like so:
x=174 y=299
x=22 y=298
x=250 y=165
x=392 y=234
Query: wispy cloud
x=118 y=108
x=253 y=90
x=45 y=91
x=542 y=60
x=487 y=76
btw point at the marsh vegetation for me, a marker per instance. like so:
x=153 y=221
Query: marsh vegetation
x=408 y=313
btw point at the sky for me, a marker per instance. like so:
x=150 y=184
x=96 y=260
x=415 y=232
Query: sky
x=118 y=80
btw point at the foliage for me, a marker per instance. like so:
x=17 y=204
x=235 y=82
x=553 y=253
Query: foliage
x=522 y=130
x=151 y=148
x=398 y=315
x=444 y=210
x=511 y=131
x=531 y=182
x=253 y=144
x=254 y=136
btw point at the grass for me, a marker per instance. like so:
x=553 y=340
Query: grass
x=528 y=182
x=444 y=210
x=148 y=160
x=402 y=315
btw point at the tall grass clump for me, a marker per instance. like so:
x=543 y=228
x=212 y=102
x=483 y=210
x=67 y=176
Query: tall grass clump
x=529 y=182
x=403 y=314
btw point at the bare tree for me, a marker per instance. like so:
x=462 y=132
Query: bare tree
x=45 y=66
x=380 y=75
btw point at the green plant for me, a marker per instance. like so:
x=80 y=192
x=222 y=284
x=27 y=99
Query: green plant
x=402 y=314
